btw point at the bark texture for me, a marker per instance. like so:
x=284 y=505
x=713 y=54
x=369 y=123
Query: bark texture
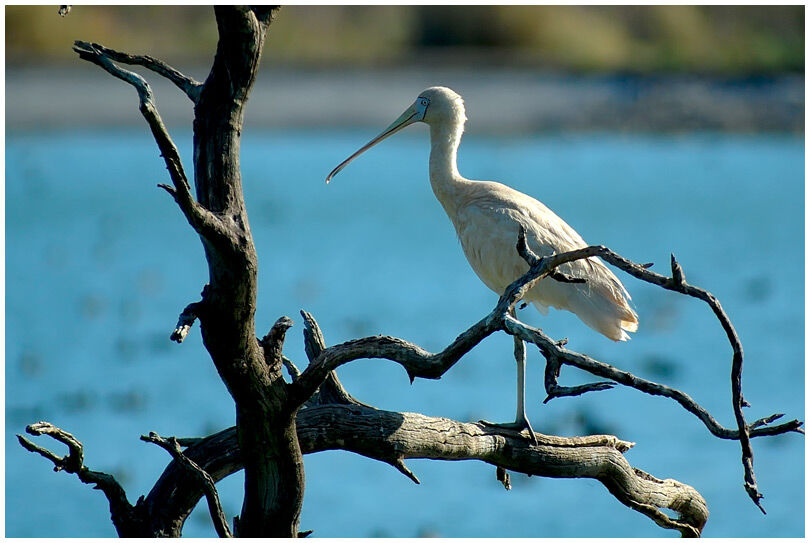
x=251 y=371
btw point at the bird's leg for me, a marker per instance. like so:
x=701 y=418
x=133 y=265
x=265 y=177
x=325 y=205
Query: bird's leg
x=521 y=420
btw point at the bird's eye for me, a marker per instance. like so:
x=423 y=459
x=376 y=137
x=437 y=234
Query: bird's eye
x=424 y=102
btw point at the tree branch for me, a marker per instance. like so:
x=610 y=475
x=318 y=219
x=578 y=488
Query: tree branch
x=128 y=520
x=677 y=283
x=414 y=359
x=203 y=221
x=331 y=390
x=273 y=342
x=552 y=350
x=188 y=85
x=503 y=477
x=209 y=487
x=185 y=322
x=420 y=363
x=392 y=437
x=292 y=369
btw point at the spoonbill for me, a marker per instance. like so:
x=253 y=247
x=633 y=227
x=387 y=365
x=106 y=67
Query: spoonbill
x=487 y=217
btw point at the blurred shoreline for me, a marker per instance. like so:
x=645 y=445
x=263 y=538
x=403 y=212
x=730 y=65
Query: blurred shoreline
x=499 y=100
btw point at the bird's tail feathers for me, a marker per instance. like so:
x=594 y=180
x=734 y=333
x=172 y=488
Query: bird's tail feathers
x=604 y=304
x=601 y=301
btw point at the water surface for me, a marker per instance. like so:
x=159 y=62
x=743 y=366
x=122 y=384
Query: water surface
x=99 y=263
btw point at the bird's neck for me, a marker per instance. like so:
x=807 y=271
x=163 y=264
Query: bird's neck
x=444 y=177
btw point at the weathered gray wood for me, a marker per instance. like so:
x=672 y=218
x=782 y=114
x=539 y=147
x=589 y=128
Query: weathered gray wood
x=129 y=520
x=393 y=437
x=274 y=475
x=172 y=446
x=420 y=363
x=187 y=84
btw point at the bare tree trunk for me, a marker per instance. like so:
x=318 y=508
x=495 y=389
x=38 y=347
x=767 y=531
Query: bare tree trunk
x=265 y=417
x=274 y=475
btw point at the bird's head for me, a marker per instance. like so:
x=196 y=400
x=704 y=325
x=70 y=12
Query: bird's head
x=434 y=105
x=443 y=106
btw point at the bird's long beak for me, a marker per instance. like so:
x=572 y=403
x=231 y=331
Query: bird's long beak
x=411 y=115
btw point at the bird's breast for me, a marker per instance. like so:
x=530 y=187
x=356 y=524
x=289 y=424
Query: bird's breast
x=488 y=236
x=488 y=232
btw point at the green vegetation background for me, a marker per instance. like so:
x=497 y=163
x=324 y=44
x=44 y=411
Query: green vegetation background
x=721 y=40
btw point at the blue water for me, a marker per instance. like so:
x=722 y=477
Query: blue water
x=99 y=262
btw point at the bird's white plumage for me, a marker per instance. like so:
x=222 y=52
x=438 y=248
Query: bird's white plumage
x=487 y=221
x=487 y=217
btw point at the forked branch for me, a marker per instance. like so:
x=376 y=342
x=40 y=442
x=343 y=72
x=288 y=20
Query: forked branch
x=172 y=446
x=188 y=85
x=421 y=363
x=393 y=437
x=126 y=518
x=677 y=283
x=202 y=220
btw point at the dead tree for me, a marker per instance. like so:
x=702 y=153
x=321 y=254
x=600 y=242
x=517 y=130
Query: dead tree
x=278 y=420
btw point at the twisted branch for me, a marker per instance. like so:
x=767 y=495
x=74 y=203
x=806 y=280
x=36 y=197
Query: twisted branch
x=172 y=446
x=677 y=283
x=126 y=518
x=188 y=85
x=331 y=390
x=560 y=355
x=421 y=363
x=202 y=220
x=393 y=437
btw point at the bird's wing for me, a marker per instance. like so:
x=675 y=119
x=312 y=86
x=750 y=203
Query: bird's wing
x=503 y=210
x=602 y=302
x=488 y=225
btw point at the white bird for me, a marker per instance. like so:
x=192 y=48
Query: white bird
x=487 y=217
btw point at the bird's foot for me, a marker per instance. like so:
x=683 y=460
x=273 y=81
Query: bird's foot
x=518 y=426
